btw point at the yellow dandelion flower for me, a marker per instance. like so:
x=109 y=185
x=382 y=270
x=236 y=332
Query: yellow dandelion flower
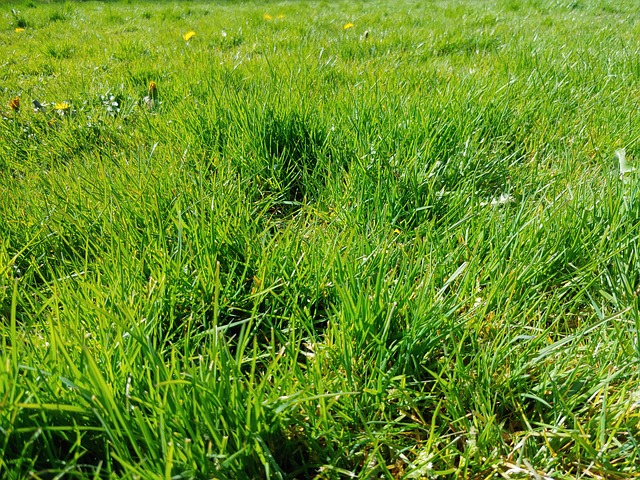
x=188 y=36
x=151 y=99
x=14 y=104
x=62 y=106
x=19 y=30
x=267 y=17
x=280 y=17
x=349 y=25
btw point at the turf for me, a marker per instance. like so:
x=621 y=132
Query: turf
x=382 y=239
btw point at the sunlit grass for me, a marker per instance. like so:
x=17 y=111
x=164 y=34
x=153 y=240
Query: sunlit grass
x=319 y=240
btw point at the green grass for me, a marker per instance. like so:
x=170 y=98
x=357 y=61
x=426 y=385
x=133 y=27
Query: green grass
x=398 y=250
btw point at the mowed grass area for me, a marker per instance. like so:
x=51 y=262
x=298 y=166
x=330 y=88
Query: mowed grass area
x=402 y=249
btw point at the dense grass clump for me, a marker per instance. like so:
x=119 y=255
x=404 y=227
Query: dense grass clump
x=319 y=240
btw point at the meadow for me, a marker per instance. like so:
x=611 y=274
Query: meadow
x=319 y=239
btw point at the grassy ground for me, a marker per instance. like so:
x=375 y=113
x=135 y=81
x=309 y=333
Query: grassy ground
x=385 y=239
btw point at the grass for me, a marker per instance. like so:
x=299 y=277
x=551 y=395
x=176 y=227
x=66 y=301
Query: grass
x=398 y=250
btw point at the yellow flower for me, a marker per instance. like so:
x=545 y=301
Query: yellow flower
x=267 y=17
x=18 y=30
x=188 y=36
x=349 y=25
x=151 y=99
x=14 y=104
x=62 y=106
x=280 y=17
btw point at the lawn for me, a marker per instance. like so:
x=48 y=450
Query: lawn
x=320 y=239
